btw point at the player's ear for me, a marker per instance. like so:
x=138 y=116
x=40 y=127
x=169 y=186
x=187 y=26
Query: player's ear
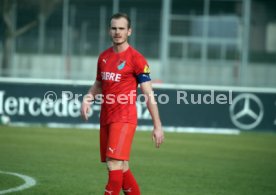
x=129 y=32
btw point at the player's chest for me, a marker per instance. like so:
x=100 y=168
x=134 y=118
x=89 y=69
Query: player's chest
x=116 y=69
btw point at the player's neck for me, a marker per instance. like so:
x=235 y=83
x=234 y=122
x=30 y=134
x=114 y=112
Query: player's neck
x=120 y=48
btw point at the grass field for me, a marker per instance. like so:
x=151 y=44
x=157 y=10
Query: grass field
x=66 y=161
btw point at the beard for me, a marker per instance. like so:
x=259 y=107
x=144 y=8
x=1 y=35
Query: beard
x=119 y=42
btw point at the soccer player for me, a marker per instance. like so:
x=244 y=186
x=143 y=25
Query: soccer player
x=119 y=71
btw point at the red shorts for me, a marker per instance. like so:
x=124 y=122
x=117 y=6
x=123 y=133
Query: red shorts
x=116 y=140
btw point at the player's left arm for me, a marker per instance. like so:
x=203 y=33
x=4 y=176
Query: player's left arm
x=157 y=133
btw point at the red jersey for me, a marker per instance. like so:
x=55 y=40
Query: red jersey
x=118 y=74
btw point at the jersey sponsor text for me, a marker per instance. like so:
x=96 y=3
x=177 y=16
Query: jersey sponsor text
x=111 y=76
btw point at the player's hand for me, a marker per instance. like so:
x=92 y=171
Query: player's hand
x=85 y=108
x=158 y=136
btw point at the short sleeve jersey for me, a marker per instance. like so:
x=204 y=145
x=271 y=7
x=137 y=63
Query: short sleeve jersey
x=119 y=73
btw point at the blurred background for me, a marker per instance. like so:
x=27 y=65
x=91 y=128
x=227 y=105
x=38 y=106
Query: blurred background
x=207 y=49
x=210 y=42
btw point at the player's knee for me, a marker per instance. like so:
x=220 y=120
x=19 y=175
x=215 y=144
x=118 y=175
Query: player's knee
x=125 y=166
x=113 y=164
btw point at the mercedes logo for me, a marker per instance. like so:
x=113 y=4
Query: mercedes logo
x=246 y=111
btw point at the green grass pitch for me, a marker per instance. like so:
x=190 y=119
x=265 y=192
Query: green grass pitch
x=66 y=161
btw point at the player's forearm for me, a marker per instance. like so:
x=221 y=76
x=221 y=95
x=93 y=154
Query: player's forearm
x=151 y=103
x=153 y=109
x=95 y=89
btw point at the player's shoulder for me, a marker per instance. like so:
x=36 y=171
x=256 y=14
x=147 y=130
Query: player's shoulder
x=135 y=53
x=106 y=52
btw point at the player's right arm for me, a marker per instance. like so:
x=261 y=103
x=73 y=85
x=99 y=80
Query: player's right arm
x=88 y=99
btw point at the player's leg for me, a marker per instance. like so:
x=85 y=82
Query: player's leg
x=130 y=185
x=115 y=173
x=120 y=136
x=103 y=142
x=115 y=176
x=118 y=151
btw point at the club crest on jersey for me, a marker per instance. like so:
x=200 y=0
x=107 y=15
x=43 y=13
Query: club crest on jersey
x=146 y=69
x=121 y=65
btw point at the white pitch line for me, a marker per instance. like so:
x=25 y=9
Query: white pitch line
x=29 y=182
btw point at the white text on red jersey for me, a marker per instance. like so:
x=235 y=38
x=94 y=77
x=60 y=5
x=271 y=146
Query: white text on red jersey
x=111 y=76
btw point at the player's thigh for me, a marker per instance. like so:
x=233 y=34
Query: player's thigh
x=125 y=165
x=114 y=164
x=103 y=142
x=120 y=140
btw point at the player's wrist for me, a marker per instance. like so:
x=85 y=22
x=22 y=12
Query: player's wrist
x=89 y=99
x=157 y=125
